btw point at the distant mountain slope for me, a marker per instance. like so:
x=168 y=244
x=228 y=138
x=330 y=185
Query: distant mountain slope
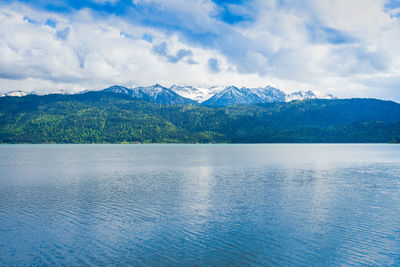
x=111 y=117
x=117 y=89
x=155 y=93
x=269 y=94
x=232 y=95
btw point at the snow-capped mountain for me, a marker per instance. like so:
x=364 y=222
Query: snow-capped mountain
x=197 y=94
x=302 y=95
x=269 y=94
x=56 y=92
x=155 y=93
x=232 y=95
x=117 y=89
x=17 y=93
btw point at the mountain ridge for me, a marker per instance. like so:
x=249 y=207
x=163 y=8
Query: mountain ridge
x=189 y=95
x=155 y=93
x=233 y=95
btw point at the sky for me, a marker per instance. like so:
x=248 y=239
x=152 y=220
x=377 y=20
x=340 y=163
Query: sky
x=346 y=48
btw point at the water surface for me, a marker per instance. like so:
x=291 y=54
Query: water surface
x=180 y=205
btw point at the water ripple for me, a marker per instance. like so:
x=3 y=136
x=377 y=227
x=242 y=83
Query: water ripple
x=199 y=205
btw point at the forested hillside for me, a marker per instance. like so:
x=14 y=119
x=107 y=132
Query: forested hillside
x=101 y=117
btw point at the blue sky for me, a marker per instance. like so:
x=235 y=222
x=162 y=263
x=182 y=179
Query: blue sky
x=347 y=48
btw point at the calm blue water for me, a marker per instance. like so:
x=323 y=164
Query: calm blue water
x=189 y=205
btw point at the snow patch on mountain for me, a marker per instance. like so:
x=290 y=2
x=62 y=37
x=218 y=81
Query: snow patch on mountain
x=302 y=95
x=20 y=93
x=17 y=93
x=115 y=89
x=269 y=94
x=198 y=94
x=57 y=92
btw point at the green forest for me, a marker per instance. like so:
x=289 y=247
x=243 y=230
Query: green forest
x=100 y=117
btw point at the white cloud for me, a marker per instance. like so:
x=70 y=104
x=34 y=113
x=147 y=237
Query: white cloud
x=366 y=44
x=93 y=54
x=96 y=54
x=334 y=46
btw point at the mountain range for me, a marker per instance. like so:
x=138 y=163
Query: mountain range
x=214 y=96
x=116 y=116
x=185 y=114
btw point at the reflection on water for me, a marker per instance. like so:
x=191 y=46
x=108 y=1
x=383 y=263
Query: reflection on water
x=199 y=204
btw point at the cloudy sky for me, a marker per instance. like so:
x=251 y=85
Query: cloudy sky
x=348 y=48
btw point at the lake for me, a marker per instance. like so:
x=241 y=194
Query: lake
x=184 y=205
